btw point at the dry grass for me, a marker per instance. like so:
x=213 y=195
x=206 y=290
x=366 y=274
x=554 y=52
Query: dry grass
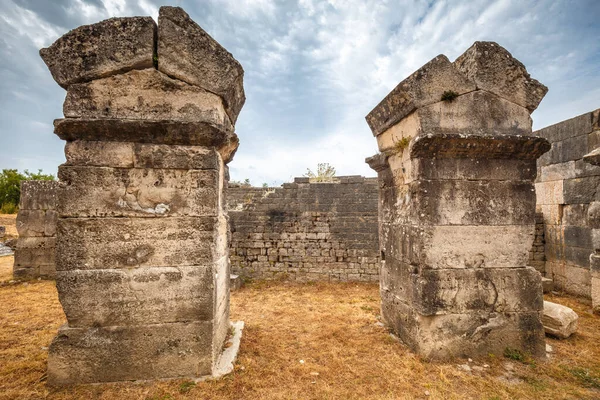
x=331 y=327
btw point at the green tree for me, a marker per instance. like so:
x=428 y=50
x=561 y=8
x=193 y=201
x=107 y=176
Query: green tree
x=10 y=187
x=325 y=173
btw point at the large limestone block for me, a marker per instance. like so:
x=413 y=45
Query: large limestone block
x=108 y=243
x=559 y=321
x=147 y=94
x=438 y=292
x=39 y=195
x=441 y=247
x=456 y=202
x=471 y=169
x=139 y=296
x=139 y=155
x=118 y=353
x=494 y=69
x=137 y=192
x=472 y=334
x=474 y=113
x=188 y=53
x=106 y=48
x=423 y=87
x=166 y=132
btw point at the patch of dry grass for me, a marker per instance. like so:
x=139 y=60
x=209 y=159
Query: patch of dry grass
x=332 y=328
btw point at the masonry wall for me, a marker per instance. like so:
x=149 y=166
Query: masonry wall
x=306 y=231
x=36 y=224
x=565 y=187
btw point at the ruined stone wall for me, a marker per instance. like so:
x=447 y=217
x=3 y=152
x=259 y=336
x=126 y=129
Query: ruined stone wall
x=36 y=224
x=537 y=255
x=566 y=187
x=306 y=231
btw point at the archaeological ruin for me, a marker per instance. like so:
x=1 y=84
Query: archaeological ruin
x=142 y=242
x=456 y=168
x=469 y=211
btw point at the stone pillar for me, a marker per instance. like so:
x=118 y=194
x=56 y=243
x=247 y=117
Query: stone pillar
x=457 y=206
x=36 y=224
x=594 y=221
x=142 y=236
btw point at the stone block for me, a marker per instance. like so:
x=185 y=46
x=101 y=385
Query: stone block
x=580 y=125
x=138 y=192
x=423 y=87
x=118 y=353
x=188 y=53
x=147 y=95
x=138 y=296
x=472 y=169
x=578 y=236
x=444 y=337
x=559 y=321
x=441 y=247
x=110 y=47
x=459 y=291
x=581 y=190
x=575 y=214
x=109 y=243
x=547 y=285
x=552 y=192
x=167 y=132
x=99 y=154
x=31 y=223
x=175 y=157
x=476 y=113
x=39 y=195
x=495 y=70
x=456 y=202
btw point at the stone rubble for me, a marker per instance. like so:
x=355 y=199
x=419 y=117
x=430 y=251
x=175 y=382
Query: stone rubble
x=559 y=321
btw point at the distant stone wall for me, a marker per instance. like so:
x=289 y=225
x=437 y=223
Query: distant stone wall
x=306 y=231
x=537 y=255
x=566 y=186
x=36 y=224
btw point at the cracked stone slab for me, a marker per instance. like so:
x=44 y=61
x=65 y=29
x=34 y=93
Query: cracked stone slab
x=146 y=95
x=425 y=86
x=188 y=53
x=106 y=48
x=494 y=69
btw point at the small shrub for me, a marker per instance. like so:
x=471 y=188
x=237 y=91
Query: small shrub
x=514 y=354
x=402 y=144
x=449 y=95
x=9 y=208
x=186 y=386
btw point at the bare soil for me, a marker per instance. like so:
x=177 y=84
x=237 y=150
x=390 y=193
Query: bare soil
x=311 y=341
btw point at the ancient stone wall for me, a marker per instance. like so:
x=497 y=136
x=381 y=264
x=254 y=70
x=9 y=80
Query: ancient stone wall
x=568 y=192
x=306 y=231
x=456 y=168
x=537 y=255
x=36 y=225
x=142 y=241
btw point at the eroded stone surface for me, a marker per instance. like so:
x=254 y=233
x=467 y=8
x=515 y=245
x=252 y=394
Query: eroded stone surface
x=103 y=49
x=559 y=321
x=425 y=86
x=188 y=53
x=148 y=95
x=494 y=69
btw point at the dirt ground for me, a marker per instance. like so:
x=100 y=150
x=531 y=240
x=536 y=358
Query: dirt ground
x=311 y=341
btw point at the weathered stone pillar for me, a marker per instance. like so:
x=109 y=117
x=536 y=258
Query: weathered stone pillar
x=457 y=206
x=142 y=237
x=36 y=224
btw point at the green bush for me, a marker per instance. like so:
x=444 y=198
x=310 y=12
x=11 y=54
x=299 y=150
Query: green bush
x=10 y=187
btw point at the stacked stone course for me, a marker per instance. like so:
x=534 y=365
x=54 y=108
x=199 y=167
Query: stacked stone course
x=457 y=206
x=568 y=196
x=142 y=235
x=306 y=231
x=36 y=225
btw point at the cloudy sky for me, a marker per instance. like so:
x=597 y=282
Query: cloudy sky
x=313 y=69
